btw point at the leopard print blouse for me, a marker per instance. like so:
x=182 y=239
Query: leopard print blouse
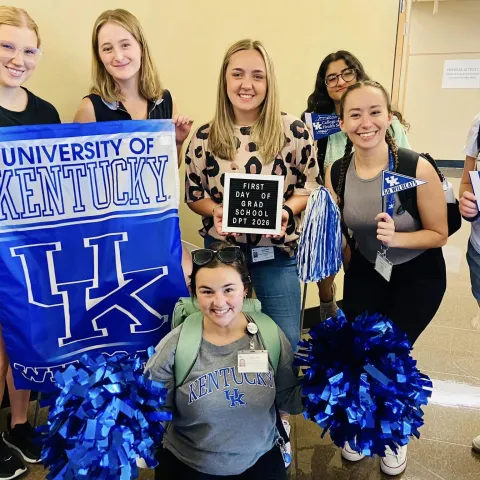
x=296 y=162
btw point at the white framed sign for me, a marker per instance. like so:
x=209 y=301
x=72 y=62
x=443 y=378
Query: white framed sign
x=252 y=203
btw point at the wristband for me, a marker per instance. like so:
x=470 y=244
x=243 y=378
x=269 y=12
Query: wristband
x=216 y=206
x=290 y=213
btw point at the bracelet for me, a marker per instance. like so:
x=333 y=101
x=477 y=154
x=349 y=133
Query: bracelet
x=216 y=206
x=290 y=213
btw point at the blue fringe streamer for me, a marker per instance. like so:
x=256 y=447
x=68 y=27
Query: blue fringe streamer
x=107 y=414
x=320 y=247
x=361 y=384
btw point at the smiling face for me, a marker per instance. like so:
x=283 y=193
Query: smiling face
x=17 y=48
x=246 y=81
x=220 y=293
x=119 y=52
x=365 y=117
x=338 y=89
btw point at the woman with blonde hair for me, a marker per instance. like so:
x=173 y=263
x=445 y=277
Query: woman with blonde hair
x=125 y=81
x=249 y=134
x=19 y=55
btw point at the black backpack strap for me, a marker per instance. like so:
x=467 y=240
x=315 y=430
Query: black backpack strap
x=478 y=140
x=407 y=165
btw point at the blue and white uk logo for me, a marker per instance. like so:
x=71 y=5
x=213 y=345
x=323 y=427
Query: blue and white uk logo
x=90 y=252
x=395 y=182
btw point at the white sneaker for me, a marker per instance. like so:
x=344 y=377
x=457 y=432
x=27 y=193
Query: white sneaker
x=476 y=444
x=351 y=455
x=288 y=446
x=393 y=464
x=141 y=463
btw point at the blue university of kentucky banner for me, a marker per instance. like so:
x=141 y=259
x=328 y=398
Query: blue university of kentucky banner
x=322 y=125
x=90 y=251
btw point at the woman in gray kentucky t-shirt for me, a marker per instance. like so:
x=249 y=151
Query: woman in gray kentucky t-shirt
x=223 y=421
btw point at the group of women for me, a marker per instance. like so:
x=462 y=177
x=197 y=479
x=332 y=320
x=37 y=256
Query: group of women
x=232 y=430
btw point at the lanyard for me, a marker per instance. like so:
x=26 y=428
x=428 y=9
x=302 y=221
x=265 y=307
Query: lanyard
x=389 y=200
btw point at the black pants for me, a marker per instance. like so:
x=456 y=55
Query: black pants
x=268 y=467
x=410 y=299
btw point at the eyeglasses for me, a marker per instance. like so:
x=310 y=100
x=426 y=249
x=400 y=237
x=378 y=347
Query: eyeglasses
x=348 y=75
x=204 y=256
x=9 y=51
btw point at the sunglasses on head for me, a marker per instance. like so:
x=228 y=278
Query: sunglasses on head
x=204 y=256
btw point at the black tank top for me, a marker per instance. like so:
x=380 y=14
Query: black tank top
x=105 y=112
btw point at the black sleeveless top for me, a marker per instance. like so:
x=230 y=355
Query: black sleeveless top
x=106 y=112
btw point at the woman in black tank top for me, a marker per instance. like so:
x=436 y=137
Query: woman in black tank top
x=19 y=54
x=125 y=82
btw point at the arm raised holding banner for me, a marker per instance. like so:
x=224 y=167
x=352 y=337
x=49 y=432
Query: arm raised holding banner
x=126 y=85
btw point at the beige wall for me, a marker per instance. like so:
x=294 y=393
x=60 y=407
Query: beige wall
x=439 y=117
x=189 y=37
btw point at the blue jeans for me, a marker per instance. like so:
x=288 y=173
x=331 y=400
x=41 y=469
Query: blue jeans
x=277 y=286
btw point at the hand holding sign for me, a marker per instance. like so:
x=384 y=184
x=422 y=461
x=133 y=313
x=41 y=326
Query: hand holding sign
x=183 y=125
x=385 y=229
x=468 y=205
x=285 y=219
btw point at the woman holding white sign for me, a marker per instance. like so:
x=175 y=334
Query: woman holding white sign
x=125 y=81
x=336 y=73
x=397 y=267
x=19 y=55
x=249 y=134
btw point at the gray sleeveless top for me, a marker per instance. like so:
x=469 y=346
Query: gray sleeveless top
x=363 y=203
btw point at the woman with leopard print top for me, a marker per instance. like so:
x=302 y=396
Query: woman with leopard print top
x=250 y=134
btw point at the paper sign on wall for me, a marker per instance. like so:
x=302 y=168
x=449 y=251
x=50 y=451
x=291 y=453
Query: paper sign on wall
x=461 y=74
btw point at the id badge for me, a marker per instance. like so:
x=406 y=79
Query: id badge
x=260 y=254
x=253 y=361
x=383 y=266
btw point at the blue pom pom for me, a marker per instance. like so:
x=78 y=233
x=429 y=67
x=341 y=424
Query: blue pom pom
x=320 y=247
x=361 y=384
x=107 y=414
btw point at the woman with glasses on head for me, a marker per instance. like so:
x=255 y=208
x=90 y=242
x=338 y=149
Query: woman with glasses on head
x=224 y=420
x=19 y=54
x=337 y=72
x=125 y=81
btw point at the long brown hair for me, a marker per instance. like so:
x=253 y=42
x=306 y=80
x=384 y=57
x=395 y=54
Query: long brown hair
x=267 y=132
x=103 y=83
x=347 y=156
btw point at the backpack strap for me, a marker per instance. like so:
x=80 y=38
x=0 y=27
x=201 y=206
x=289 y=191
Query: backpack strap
x=188 y=346
x=407 y=165
x=184 y=307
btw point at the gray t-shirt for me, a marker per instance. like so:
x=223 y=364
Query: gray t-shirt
x=224 y=421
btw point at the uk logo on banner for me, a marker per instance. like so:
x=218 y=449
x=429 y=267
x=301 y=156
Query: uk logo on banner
x=395 y=182
x=323 y=125
x=90 y=251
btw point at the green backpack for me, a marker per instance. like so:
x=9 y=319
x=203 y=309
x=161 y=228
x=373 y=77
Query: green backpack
x=186 y=312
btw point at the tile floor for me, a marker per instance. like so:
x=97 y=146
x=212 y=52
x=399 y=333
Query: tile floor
x=449 y=352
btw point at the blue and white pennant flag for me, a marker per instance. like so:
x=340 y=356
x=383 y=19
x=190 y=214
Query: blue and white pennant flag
x=395 y=182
